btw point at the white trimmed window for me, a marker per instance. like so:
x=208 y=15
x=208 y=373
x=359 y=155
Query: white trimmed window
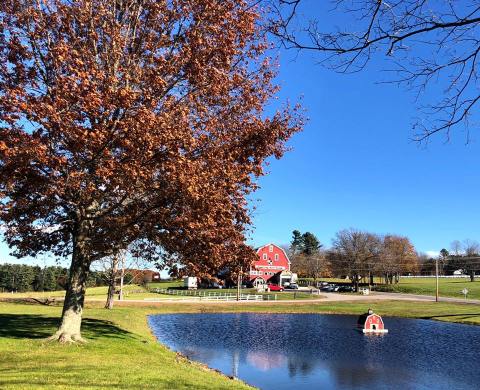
x=270 y=248
x=264 y=256
x=276 y=256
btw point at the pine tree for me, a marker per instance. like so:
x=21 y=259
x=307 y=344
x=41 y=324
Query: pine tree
x=297 y=242
x=310 y=244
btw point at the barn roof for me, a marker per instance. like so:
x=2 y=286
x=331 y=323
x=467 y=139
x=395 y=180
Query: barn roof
x=279 y=247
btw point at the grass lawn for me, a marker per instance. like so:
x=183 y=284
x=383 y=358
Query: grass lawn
x=448 y=287
x=122 y=354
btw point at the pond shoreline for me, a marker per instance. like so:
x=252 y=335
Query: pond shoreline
x=295 y=341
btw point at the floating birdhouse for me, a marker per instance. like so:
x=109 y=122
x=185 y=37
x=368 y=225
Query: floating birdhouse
x=371 y=323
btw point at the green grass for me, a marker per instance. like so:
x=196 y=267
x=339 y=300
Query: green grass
x=166 y=284
x=448 y=287
x=122 y=353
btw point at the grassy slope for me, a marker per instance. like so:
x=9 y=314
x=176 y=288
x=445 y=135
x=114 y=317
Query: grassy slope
x=448 y=287
x=122 y=353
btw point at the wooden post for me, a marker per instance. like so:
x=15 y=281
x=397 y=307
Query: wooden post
x=436 y=281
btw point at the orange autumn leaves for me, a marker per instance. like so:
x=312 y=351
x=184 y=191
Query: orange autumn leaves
x=136 y=123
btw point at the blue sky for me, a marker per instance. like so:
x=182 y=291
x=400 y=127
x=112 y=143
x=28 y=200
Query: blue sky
x=354 y=165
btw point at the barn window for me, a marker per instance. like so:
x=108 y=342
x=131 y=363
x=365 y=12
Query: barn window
x=270 y=248
x=264 y=256
x=276 y=256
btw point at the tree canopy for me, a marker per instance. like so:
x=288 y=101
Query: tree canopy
x=133 y=122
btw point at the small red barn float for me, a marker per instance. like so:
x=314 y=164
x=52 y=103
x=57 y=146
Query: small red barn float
x=371 y=323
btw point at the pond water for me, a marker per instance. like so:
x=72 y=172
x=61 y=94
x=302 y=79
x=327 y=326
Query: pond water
x=310 y=351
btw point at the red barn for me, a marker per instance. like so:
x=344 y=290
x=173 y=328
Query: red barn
x=371 y=323
x=272 y=266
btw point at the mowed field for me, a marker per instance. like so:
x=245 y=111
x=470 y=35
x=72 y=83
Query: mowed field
x=448 y=287
x=121 y=352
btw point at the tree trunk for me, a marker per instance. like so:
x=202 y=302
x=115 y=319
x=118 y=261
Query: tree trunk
x=111 y=283
x=355 y=283
x=110 y=296
x=69 y=330
x=472 y=276
x=390 y=277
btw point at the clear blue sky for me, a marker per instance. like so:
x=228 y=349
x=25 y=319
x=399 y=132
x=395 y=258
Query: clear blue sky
x=354 y=165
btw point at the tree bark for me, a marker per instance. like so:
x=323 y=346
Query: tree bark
x=69 y=330
x=110 y=296
x=472 y=276
x=355 y=283
x=111 y=283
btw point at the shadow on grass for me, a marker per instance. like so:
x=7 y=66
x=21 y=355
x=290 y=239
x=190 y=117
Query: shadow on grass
x=28 y=326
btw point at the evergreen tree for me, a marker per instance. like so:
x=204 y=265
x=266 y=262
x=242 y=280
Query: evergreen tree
x=297 y=242
x=310 y=244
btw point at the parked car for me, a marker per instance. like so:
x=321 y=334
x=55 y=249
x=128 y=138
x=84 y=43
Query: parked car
x=274 y=287
x=292 y=286
x=345 y=289
x=330 y=288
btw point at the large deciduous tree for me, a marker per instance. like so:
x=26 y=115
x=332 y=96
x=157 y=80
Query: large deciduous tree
x=398 y=256
x=133 y=121
x=354 y=253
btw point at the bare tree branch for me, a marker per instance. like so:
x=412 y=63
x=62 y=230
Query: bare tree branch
x=432 y=45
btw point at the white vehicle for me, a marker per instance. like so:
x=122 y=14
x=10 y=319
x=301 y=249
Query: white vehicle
x=190 y=282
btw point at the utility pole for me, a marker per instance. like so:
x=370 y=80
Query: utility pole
x=239 y=282
x=436 y=279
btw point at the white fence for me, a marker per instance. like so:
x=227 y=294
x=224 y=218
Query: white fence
x=214 y=296
x=440 y=276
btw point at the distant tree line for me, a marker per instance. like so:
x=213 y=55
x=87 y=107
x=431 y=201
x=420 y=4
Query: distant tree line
x=463 y=257
x=358 y=255
x=23 y=278
x=354 y=254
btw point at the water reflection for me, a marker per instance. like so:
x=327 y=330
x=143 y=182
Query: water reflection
x=265 y=361
x=278 y=351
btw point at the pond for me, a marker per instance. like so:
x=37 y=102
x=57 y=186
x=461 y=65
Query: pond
x=305 y=351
